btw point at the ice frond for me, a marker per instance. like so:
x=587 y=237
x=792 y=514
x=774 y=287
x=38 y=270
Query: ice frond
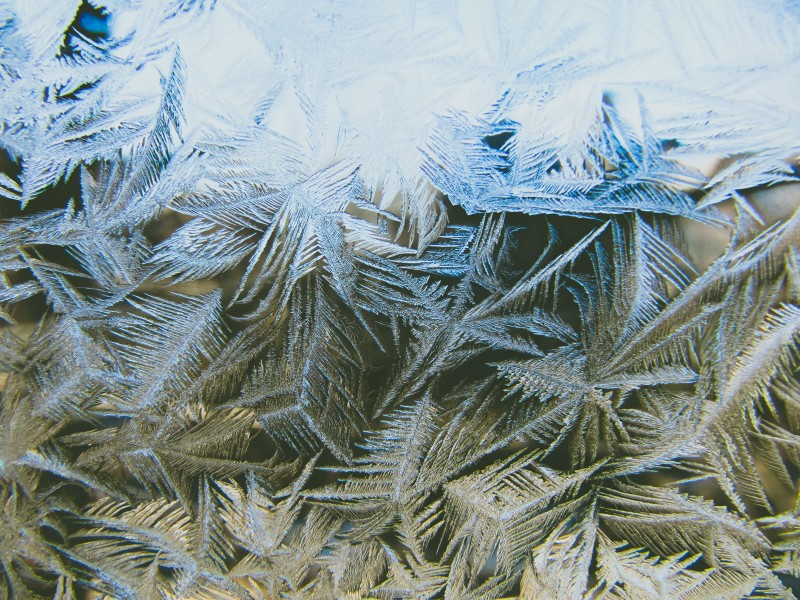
x=174 y=340
x=482 y=167
x=440 y=300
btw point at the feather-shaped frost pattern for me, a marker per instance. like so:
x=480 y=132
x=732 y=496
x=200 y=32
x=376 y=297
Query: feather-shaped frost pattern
x=441 y=300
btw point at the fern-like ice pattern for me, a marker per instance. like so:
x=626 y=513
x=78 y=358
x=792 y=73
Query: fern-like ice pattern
x=399 y=300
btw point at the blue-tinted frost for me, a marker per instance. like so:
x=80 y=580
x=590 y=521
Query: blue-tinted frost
x=350 y=299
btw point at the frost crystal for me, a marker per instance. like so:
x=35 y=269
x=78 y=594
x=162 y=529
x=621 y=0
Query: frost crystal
x=345 y=299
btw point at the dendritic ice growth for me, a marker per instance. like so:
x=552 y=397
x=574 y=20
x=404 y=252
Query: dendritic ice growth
x=349 y=299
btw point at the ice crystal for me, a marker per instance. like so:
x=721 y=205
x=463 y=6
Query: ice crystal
x=399 y=300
